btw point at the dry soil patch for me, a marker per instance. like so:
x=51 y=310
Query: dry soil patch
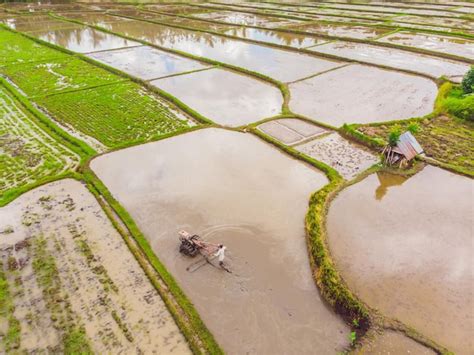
x=362 y=94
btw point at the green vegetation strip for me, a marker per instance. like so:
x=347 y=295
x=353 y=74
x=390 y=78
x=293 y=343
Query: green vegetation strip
x=114 y=114
x=12 y=337
x=57 y=75
x=16 y=49
x=29 y=155
x=74 y=336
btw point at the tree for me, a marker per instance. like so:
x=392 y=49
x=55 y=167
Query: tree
x=468 y=82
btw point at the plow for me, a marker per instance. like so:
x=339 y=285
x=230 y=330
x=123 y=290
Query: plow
x=191 y=245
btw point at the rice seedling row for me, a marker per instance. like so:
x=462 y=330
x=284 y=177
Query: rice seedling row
x=27 y=154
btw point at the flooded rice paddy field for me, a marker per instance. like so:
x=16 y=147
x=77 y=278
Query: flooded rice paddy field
x=365 y=96
x=243 y=102
x=414 y=260
x=69 y=274
x=432 y=66
x=183 y=183
x=443 y=44
x=411 y=262
x=147 y=62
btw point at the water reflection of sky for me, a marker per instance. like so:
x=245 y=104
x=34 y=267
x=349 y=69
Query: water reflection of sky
x=146 y=62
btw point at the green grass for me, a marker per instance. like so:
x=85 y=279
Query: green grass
x=448 y=140
x=27 y=153
x=459 y=104
x=16 y=49
x=57 y=75
x=12 y=337
x=115 y=114
x=74 y=337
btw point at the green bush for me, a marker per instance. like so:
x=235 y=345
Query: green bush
x=468 y=82
x=394 y=135
x=461 y=107
x=413 y=128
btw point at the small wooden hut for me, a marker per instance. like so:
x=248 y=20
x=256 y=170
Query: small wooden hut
x=406 y=149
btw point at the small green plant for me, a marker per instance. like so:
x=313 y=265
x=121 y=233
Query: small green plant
x=394 y=135
x=413 y=128
x=352 y=338
x=355 y=322
x=468 y=82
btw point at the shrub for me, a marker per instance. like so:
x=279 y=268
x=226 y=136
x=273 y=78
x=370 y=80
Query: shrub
x=461 y=107
x=394 y=135
x=468 y=82
x=413 y=128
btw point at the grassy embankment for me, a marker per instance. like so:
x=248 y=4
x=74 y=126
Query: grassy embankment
x=446 y=135
x=198 y=336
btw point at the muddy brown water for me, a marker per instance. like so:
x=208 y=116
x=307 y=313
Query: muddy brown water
x=83 y=39
x=234 y=189
x=391 y=342
x=396 y=58
x=368 y=95
x=146 y=62
x=223 y=96
x=443 y=44
x=409 y=250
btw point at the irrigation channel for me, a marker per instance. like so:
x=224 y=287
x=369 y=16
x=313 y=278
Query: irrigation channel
x=258 y=125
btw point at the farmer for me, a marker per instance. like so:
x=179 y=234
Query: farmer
x=220 y=253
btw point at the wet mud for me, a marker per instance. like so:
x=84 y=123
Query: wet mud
x=414 y=260
x=223 y=96
x=94 y=283
x=347 y=158
x=368 y=95
x=234 y=189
